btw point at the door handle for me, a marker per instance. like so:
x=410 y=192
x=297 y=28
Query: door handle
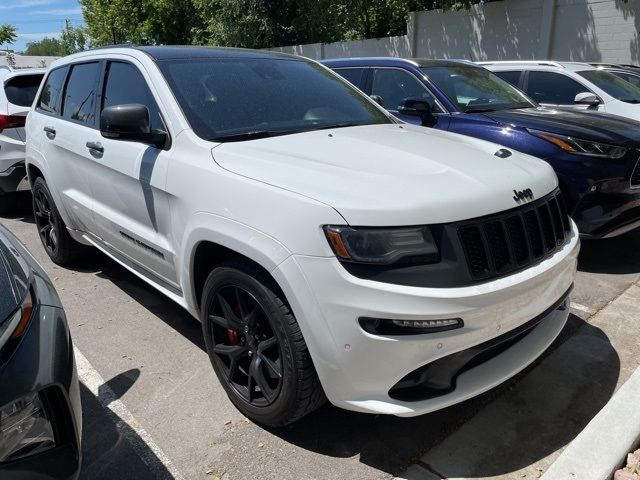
x=50 y=131
x=96 y=146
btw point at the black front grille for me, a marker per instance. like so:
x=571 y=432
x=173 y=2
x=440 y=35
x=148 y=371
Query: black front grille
x=635 y=176
x=499 y=244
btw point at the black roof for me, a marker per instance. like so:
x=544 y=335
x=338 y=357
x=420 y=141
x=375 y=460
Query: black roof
x=188 y=51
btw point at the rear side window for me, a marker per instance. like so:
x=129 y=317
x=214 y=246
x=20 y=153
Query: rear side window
x=513 y=77
x=80 y=93
x=125 y=84
x=629 y=77
x=553 y=88
x=21 y=90
x=353 y=75
x=50 y=95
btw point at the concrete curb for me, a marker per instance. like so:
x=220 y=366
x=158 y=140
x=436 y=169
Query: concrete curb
x=612 y=433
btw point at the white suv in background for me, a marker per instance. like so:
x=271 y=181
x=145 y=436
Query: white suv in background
x=17 y=91
x=326 y=248
x=571 y=84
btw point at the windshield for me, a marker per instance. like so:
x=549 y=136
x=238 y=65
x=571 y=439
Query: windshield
x=614 y=86
x=243 y=98
x=475 y=89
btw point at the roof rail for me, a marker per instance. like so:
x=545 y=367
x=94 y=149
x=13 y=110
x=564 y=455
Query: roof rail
x=549 y=63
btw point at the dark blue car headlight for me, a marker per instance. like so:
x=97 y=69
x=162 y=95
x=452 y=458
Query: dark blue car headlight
x=580 y=146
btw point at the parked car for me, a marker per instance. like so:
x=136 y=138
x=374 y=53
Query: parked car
x=571 y=85
x=629 y=73
x=594 y=155
x=16 y=96
x=327 y=249
x=40 y=414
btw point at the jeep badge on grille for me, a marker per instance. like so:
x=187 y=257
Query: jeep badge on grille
x=522 y=195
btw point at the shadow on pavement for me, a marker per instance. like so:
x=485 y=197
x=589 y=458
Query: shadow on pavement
x=531 y=416
x=107 y=447
x=618 y=255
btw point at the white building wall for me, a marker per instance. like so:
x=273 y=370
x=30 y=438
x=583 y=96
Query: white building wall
x=582 y=30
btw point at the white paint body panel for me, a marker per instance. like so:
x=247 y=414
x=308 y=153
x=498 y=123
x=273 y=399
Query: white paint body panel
x=268 y=200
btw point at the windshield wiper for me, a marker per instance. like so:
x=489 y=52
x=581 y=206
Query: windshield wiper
x=254 y=135
x=630 y=100
x=338 y=125
x=479 y=110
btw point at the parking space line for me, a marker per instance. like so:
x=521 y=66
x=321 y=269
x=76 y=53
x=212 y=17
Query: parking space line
x=582 y=308
x=144 y=446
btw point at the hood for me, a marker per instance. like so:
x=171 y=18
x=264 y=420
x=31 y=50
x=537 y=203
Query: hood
x=596 y=126
x=383 y=175
x=14 y=276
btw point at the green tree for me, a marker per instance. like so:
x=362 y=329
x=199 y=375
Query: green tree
x=72 y=39
x=45 y=47
x=7 y=34
x=114 y=21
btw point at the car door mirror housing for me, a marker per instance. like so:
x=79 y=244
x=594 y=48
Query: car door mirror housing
x=377 y=99
x=587 y=98
x=130 y=122
x=418 y=107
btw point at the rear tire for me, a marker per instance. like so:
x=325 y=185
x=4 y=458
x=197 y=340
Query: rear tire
x=61 y=248
x=256 y=347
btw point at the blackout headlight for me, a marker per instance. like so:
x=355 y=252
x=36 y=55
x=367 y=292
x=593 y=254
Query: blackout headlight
x=581 y=147
x=383 y=246
x=24 y=428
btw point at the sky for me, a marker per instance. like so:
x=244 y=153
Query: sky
x=36 y=19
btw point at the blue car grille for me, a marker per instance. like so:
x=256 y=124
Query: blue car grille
x=497 y=245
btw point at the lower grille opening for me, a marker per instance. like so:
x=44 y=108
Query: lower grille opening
x=439 y=377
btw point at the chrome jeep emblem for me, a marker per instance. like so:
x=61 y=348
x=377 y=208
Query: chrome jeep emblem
x=519 y=195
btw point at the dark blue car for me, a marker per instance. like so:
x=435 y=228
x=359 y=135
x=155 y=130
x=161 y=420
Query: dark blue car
x=595 y=155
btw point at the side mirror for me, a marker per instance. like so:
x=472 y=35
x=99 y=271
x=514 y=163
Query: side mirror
x=130 y=122
x=587 y=98
x=377 y=99
x=418 y=108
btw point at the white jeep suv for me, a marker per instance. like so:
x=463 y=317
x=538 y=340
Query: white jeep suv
x=329 y=251
x=571 y=85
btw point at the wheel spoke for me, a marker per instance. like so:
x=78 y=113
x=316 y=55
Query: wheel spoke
x=44 y=229
x=227 y=311
x=266 y=344
x=235 y=353
x=255 y=372
x=271 y=364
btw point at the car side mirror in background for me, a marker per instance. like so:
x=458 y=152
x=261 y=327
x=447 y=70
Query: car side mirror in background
x=130 y=122
x=587 y=98
x=377 y=99
x=418 y=108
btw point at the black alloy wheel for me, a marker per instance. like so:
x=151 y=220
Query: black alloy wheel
x=46 y=222
x=245 y=346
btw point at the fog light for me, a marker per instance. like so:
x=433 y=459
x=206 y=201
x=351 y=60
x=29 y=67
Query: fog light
x=24 y=428
x=380 y=326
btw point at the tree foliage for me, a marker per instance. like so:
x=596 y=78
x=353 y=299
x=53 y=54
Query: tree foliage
x=72 y=39
x=250 y=23
x=7 y=34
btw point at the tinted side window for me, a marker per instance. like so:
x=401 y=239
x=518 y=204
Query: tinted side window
x=51 y=91
x=21 y=90
x=125 y=84
x=513 y=76
x=394 y=86
x=554 y=88
x=353 y=75
x=80 y=93
x=632 y=79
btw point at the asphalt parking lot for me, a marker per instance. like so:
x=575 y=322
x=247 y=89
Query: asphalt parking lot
x=143 y=358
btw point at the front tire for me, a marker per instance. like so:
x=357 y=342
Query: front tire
x=61 y=248
x=256 y=347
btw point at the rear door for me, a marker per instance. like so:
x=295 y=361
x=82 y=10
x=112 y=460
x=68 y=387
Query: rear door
x=128 y=180
x=67 y=118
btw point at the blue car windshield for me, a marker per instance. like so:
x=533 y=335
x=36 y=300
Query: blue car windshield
x=613 y=85
x=476 y=89
x=236 y=99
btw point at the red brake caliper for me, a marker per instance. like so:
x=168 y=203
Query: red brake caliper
x=231 y=333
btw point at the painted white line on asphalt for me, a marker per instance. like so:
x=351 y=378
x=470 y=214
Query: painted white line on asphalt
x=142 y=443
x=582 y=308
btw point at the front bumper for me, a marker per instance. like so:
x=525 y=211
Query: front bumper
x=358 y=369
x=44 y=362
